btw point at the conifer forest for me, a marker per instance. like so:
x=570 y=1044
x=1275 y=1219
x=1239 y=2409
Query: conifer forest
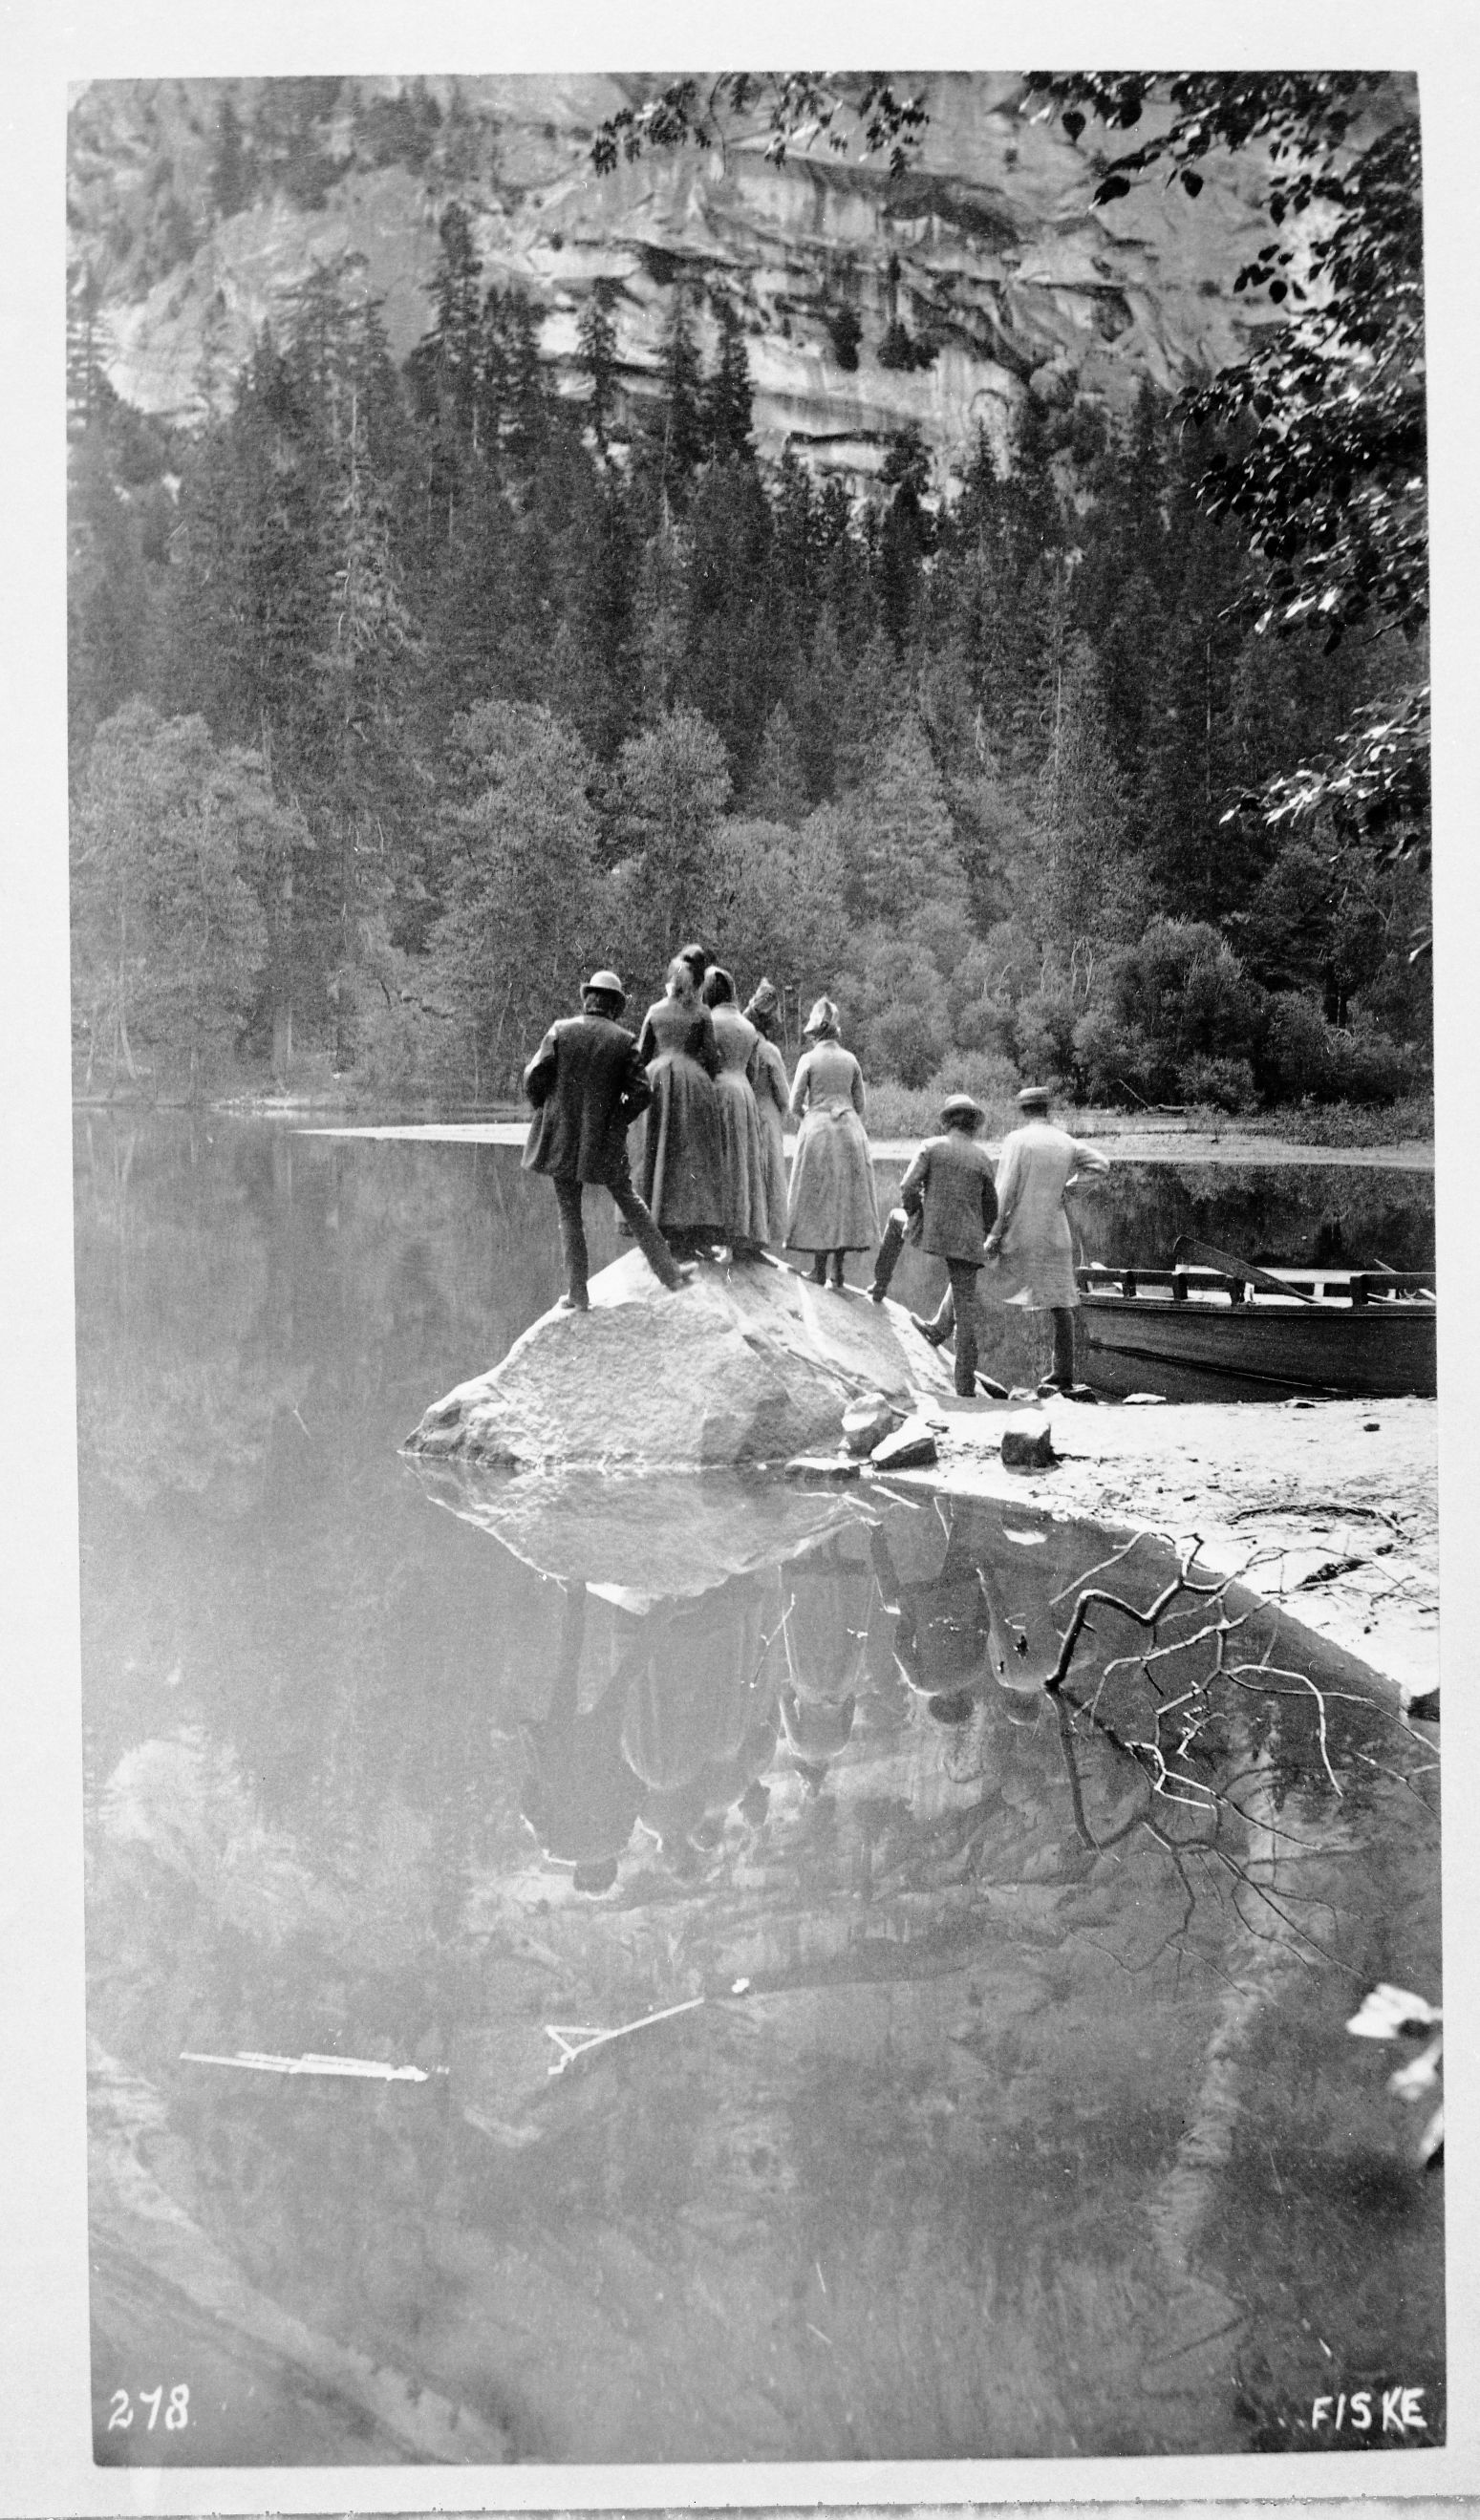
x=403 y=691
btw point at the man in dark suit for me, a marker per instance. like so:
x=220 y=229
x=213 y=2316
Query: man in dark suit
x=949 y=1190
x=588 y=1085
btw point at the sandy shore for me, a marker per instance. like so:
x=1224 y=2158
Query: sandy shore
x=1331 y=1508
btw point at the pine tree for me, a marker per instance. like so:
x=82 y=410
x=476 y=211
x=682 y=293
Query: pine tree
x=876 y=699
x=907 y=536
x=231 y=172
x=903 y=864
x=821 y=694
x=513 y=941
x=444 y=366
x=795 y=535
x=976 y=522
x=676 y=441
x=1032 y=520
x=779 y=789
x=110 y=601
x=361 y=669
x=595 y=347
x=729 y=664
x=528 y=426
x=725 y=413
x=675 y=784
x=1080 y=892
x=658 y=620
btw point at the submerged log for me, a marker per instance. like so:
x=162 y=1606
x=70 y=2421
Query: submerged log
x=748 y=1363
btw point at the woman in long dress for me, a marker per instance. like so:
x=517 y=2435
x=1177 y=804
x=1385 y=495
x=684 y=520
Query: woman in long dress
x=745 y=1213
x=833 y=1208
x=682 y=1175
x=772 y=1087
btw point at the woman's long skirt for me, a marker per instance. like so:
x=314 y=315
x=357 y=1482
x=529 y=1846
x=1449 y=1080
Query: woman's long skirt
x=833 y=1206
x=682 y=1177
x=745 y=1214
x=773 y=1163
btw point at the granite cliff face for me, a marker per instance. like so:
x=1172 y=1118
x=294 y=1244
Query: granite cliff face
x=988 y=250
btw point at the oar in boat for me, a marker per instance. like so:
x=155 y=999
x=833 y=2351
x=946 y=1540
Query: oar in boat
x=1206 y=1255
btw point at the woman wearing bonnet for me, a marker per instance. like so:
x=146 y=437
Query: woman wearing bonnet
x=833 y=1209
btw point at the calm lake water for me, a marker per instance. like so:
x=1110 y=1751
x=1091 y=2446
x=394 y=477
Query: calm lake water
x=1018 y=2117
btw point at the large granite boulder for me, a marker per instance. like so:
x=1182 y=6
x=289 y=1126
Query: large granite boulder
x=748 y=1363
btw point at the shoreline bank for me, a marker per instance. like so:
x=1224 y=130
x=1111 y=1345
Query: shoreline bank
x=1144 y=1147
x=1330 y=1508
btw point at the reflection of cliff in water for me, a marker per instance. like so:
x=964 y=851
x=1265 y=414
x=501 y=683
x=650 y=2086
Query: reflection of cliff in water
x=1037 y=2128
x=960 y=2171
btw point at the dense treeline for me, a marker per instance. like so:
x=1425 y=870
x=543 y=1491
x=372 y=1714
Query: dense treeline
x=398 y=698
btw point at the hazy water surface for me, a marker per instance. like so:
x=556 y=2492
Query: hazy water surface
x=1034 y=2129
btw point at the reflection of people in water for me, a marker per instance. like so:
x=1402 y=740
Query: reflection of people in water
x=820 y=1647
x=929 y=1585
x=697 y=1704
x=580 y=1797
x=1022 y=1566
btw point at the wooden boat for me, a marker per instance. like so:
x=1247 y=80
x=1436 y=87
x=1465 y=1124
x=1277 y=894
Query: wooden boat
x=1195 y=1332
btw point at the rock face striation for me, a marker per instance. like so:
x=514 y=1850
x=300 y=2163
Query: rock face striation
x=989 y=254
x=747 y=1364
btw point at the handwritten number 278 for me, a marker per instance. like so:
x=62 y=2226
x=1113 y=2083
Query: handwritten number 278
x=120 y=2412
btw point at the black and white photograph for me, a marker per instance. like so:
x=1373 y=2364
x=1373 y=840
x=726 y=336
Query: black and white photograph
x=752 y=1070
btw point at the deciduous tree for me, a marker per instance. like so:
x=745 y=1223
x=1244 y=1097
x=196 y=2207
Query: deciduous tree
x=170 y=939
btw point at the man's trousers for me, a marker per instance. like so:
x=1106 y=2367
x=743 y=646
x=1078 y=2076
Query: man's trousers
x=633 y=1209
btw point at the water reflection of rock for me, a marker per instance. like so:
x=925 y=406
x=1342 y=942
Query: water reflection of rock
x=960 y=2172
x=661 y=1536
x=1001 y=2088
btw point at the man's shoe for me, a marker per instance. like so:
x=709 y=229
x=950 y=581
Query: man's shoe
x=687 y=1273
x=572 y=1303
x=877 y=1295
x=928 y=1330
x=1052 y=1389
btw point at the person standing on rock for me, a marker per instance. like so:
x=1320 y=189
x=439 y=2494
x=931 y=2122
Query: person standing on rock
x=746 y=1212
x=833 y=1208
x=683 y=1172
x=1030 y=1251
x=950 y=1183
x=588 y=1084
x=772 y=1087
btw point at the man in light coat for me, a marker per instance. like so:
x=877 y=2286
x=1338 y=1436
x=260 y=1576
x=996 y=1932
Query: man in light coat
x=1030 y=1256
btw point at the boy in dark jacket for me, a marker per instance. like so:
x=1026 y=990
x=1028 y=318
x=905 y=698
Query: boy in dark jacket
x=588 y=1085
x=949 y=1204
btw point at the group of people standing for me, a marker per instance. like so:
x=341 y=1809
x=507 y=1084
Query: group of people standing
x=713 y=1171
x=711 y=1082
